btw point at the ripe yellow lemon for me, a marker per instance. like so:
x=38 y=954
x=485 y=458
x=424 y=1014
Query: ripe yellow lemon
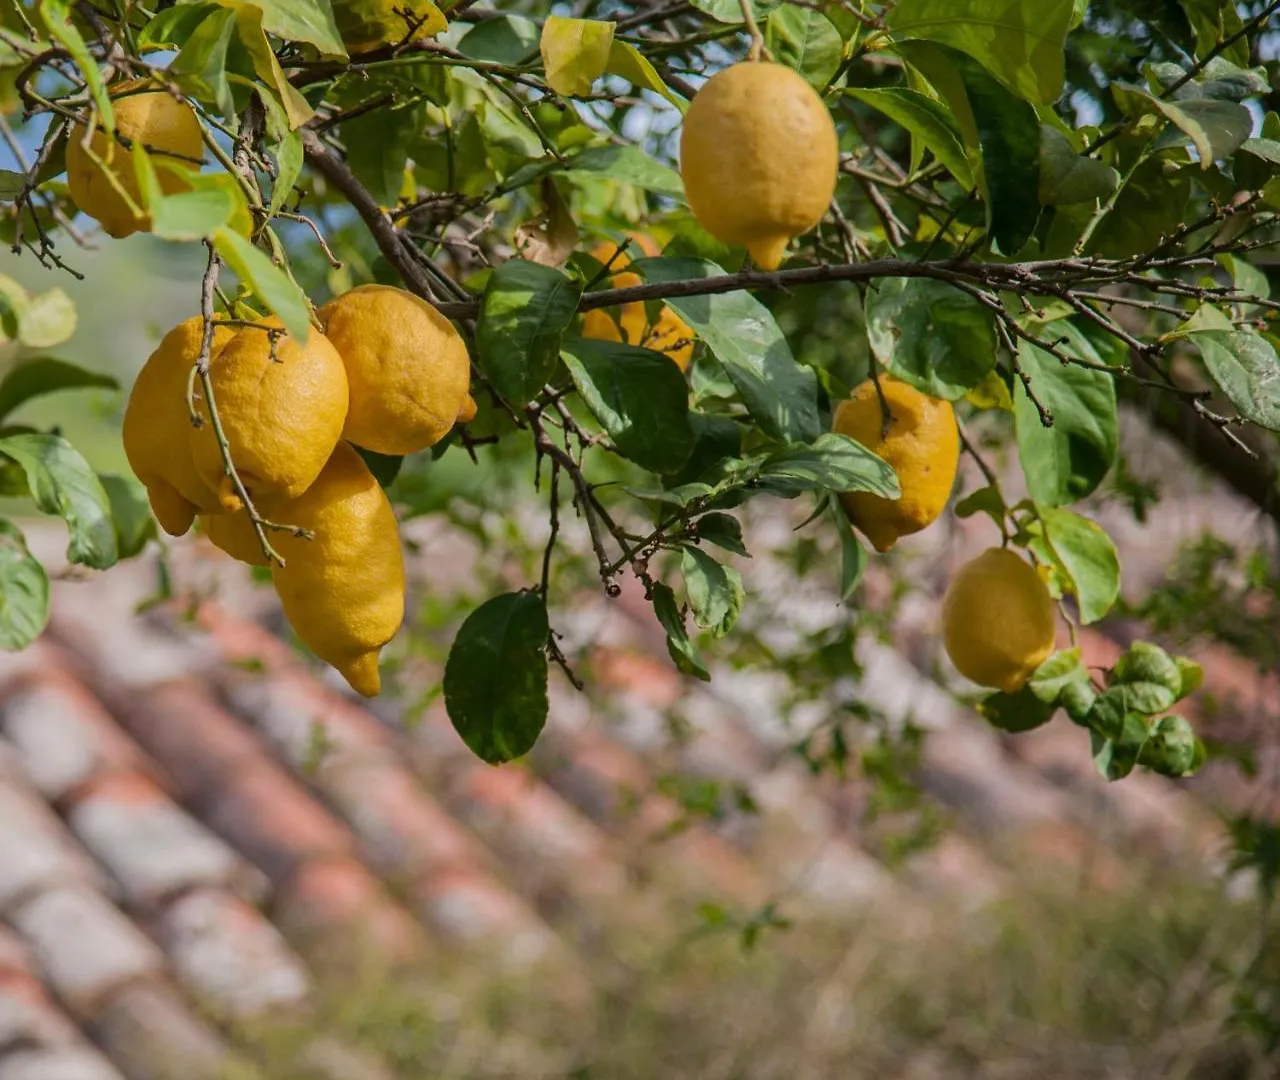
x=282 y=408
x=166 y=128
x=759 y=155
x=235 y=535
x=343 y=592
x=997 y=620
x=669 y=334
x=922 y=445
x=157 y=428
x=407 y=367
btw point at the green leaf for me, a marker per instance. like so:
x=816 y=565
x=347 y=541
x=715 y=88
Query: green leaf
x=1172 y=749
x=1245 y=365
x=832 y=463
x=48 y=319
x=1216 y=128
x=1066 y=176
x=1151 y=204
x=523 y=315
x=385 y=467
x=928 y=120
x=1078 y=699
x=715 y=591
x=273 y=287
x=508 y=39
x=310 y=21
x=935 y=337
x=1016 y=713
x=495 y=680
x=130 y=514
x=804 y=39
x=62 y=483
x=56 y=17
x=24 y=591
x=45 y=375
x=289 y=158
x=200 y=68
x=1192 y=676
x=640 y=398
x=985 y=500
x=1061 y=670
x=682 y=650
x=11 y=183
x=1085 y=554
x=730 y=11
x=780 y=394
x=629 y=165
x=266 y=66
x=1115 y=757
x=853 y=556
x=378 y=147
x=1067 y=461
x=191 y=215
x=1019 y=41
x=575 y=53
x=723 y=530
x=1149 y=676
x=627 y=62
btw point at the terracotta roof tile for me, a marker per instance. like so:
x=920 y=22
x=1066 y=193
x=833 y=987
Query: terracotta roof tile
x=85 y=946
x=152 y=1034
x=60 y=1063
x=36 y=853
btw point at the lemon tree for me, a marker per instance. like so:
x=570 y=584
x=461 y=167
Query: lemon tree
x=679 y=257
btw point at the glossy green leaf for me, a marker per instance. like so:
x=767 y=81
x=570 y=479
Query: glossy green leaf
x=523 y=315
x=289 y=158
x=273 y=287
x=1016 y=713
x=831 y=463
x=640 y=398
x=1115 y=757
x=11 y=183
x=983 y=500
x=1150 y=205
x=629 y=165
x=1172 y=749
x=1019 y=41
x=723 y=530
x=628 y=62
x=45 y=375
x=1081 y=550
x=853 y=556
x=62 y=484
x=130 y=514
x=495 y=680
x=1150 y=679
x=927 y=333
x=309 y=21
x=730 y=11
x=191 y=215
x=575 y=53
x=1064 y=668
x=1245 y=365
x=1065 y=462
x=200 y=68
x=803 y=38
x=682 y=650
x=715 y=591
x=925 y=118
x=1192 y=676
x=378 y=147
x=1066 y=176
x=385 y=467
x=56 y=16
x=1216 y=128
x=24 y=591
x=508 y=39
x=780 y=394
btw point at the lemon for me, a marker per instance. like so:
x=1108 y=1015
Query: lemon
x=758 y=154
x=408 y=369
x=343 y=592
x=669 y=334
x=282 y=408
x=997 y=620
x=922 y=445
x=157 y=428
x=166 y=128
x=235 y=535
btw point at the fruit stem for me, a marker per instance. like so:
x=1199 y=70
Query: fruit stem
x=757 y=49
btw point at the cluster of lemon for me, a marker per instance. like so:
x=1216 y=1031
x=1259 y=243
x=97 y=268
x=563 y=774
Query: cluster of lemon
x=389 y=373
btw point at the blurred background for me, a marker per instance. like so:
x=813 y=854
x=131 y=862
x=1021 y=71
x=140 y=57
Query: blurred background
x=214 y=862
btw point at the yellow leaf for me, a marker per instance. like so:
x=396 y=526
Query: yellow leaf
x=249 y=24
x=366 y=25
x=628 y=62
x=991 y=393
x=575 y=53
x=551 y=237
